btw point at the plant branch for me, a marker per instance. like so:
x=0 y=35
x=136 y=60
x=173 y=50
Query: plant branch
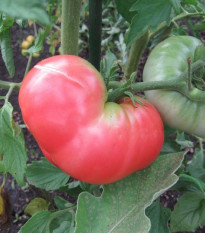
x=28 y=64
x=95 y=25
x=70 y=26
x=179 y=17
x=7 y=85
x=178 y=84
x=135 y=54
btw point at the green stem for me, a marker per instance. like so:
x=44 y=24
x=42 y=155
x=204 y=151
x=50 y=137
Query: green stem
x=189 y=74
x=135 y=54
x=9 y=93
x=183 y=15
x=70 y=26
x=7 y=85
x=173 y=84
x=201 y=144
x=28 y=64
x=95 y=24
x=35 y=29
x=178 y=84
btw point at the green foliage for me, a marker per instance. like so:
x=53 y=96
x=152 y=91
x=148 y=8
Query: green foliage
x=159 y=217
x=12 y=145
x=116 y=211
x=36 y=205
x=5 y=43
x=47 y=221
x=149 y=15
x=123 y=8
x=189 y=212
x=127 y=205
x=22 y=9
x=45 y=175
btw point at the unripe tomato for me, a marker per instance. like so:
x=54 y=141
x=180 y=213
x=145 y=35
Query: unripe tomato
x=24 y=52
x=30 y=39
x=36 y=55
x=168 y=60
x=25 y=44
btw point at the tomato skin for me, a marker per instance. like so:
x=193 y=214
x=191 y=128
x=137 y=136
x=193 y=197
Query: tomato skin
x=63 y=103
x=169 y=60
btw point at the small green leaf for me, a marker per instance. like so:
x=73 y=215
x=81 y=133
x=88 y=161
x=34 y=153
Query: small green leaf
x=62 y=203
x=123 y=8
x=189 y=183
x=180 y=31
x=159 y=217
x=176 y=5
x=12 y=145
x=6 y=51
x=45 y=175
x=47 y=221
x=189 y=213
x=196 y=167
x=32 y=9
x=183 y=141
x=36 y=205
x=149 y=14
x=65 y=225
x=116 y=211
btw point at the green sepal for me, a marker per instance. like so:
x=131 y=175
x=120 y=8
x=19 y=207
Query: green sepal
x=133 y=98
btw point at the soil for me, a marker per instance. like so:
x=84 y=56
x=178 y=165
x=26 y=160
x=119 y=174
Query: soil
x=17 y=197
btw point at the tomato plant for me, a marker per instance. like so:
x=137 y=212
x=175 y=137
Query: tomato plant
x=100 y=139
x=63 y=102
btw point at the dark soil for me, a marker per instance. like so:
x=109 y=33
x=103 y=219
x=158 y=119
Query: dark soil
x=17 y=197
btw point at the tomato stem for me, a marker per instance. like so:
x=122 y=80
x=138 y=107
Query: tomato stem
x=28 y=64
x=135 y=54
x=70 y=26
x=6 y=85
x=189 y=74
x=179 y=17
x=178 y=84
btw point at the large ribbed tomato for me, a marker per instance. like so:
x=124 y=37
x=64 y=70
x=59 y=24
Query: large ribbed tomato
x=63 y=103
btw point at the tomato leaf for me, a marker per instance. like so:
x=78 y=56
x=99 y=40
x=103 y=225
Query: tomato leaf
x=123 y=8
x=189 y=183
x=6 y=51
x=188 y=213
x=116 y=211
x=36 y=205
x=62 y=203
x=149 y=14
x=176 y=5
x=197 y=166
x=47 y=221
x=12 y=145
x=45 y=175
x=159 y=217
x=183 y=141
x=33 y=9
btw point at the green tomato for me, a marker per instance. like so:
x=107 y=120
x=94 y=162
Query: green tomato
x=168 y=60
